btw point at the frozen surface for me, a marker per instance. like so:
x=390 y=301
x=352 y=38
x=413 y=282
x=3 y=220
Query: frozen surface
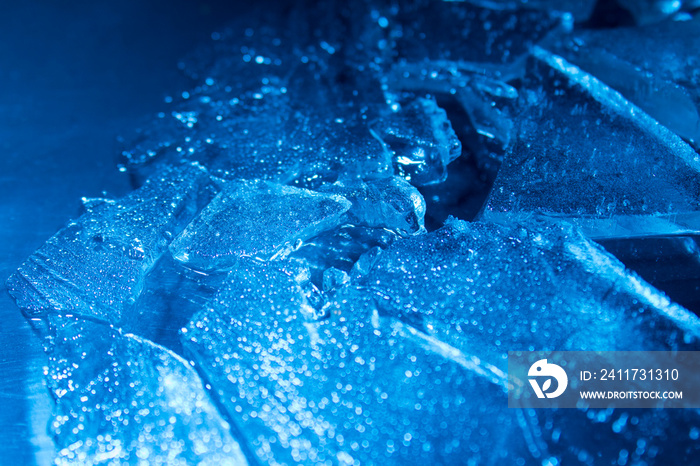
x=586 y=154
x=390 y=203
x=663 y=80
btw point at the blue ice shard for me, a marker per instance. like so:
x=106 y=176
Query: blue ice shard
x=420 y=140
x=655 y=67
x=172 y=294
x=122 y=399
x=391 y=203
x=355 y=388
x=96 y=266
x=230 y=226
x=340 y=249
x=487 y=289
x=586 y=154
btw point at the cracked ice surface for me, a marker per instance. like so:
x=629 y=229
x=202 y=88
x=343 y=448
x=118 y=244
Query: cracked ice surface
x=270 y=293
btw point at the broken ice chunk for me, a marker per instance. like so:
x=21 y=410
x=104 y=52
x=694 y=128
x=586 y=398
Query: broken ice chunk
x=334 y=278
x=255 y=219
x=586 y=154
x=490 y=121
x=122 y=399
x=653 y=66
x=354 y=389
x=421 y=141
x=270 y=135
x=390 y=203
x=95 y=266
x=487 y=289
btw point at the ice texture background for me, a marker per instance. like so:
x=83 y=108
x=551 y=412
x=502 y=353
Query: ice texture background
x=333 y=233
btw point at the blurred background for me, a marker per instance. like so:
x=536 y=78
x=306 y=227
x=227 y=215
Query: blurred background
x=74 y=74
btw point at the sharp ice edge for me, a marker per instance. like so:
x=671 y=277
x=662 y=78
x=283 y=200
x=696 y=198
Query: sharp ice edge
x=616 y=101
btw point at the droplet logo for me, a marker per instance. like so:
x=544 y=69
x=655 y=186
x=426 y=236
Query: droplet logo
x=542 y=369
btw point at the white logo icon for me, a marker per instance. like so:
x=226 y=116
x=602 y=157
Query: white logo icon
x=543 y=369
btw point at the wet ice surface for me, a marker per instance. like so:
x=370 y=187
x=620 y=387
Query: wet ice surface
x=356 y=387
x=146 y=402
x=270 y=293
x=473 y=286
x=611 y=169
x=95 y=267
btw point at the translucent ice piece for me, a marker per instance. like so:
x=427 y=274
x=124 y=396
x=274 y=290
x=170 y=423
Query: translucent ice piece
x=390 y=203
x=488 y=289
x=95 y=266
x=421 y=141
x=255 y=219
x=275 y=133
x=122 y=399
x=653 y=66
x=488 y=119
x=586 y=154
x=339 y=248
x=354 y=389
x=172 y=294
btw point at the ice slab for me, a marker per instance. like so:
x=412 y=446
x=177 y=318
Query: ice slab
x=269 y=105
x=653 y=66
x=172 y=294
x=487 y=289
x=466 y=36
x=255 y=219
x=266 y=135
x=354 y=388
x=122 y=399
x=586 y=154
x=95 y=267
